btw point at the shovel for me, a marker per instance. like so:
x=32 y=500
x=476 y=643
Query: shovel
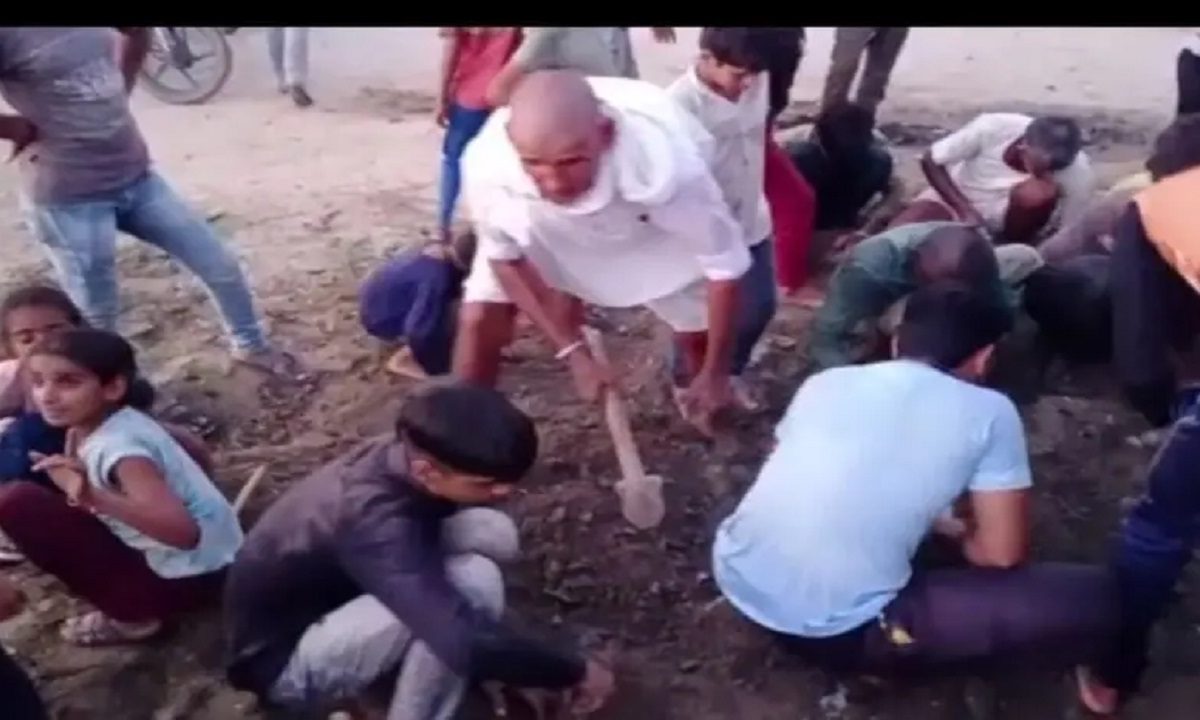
x=641 y=494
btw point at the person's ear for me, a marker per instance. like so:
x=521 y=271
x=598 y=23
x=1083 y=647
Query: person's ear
x=424 y=471
x=978 y=364
x=115 y=390
x=608 y=132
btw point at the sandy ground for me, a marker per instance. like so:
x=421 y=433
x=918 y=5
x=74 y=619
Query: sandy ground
x=313 y=199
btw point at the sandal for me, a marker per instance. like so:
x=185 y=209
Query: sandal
x=95 y=629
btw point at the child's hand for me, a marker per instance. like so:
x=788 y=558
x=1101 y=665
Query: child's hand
x=5 y=423
x=68 y=473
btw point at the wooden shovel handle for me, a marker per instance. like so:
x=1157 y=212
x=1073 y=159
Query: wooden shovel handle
x=616 y=417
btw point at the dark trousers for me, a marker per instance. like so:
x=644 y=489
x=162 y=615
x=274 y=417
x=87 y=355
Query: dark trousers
x=1187 y=75
x=843 y=185
x=969 y=619
x=28 y=433
x=77 y=548
x=1155 y=545
x=881 y=45
x=19 y=699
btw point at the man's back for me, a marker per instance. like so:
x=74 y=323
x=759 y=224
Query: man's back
x=868 y=456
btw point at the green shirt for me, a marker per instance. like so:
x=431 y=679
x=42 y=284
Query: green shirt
x=879 y=273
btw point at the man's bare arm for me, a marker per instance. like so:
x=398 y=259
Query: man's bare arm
x=519 y=280
x=722 y=314
x=998 y=533
x=134 y=47
x=940 y=180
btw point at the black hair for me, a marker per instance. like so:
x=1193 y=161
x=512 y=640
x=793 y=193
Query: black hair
x=470 y=429
x=958 y=253
x=39 y=296
x=1176 y=149
x=947 y=322
x=463 y=246
x=1058 y=137
x=845 y=128
x=737 y=46
x=106 y=355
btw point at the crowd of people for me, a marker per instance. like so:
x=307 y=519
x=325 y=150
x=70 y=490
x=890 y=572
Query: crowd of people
x=586 y=188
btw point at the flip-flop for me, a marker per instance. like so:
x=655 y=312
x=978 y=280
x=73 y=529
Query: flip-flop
x=1089 y=694
x=95 y=629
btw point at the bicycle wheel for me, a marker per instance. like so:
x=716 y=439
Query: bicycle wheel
x=187 y=66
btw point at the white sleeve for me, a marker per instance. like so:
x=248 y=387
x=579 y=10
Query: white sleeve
x=962 y=144
x=699 y=217
x=1078 y=184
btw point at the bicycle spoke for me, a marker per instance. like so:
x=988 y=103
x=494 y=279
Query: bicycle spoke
x=162 y=68
x=189 y=77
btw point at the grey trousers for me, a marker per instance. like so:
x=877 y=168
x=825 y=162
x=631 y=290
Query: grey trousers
x=882 y=46
x=361 y=643
x=289 y=55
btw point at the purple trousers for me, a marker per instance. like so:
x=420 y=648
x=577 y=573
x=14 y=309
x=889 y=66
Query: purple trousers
x=968 y=619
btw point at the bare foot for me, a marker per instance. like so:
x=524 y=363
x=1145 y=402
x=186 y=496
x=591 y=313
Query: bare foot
x=403 y=363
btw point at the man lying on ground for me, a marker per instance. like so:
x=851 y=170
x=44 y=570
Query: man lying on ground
x=870 y=459
x=727 y=90
x=598 y=191
x=865 y=292
x=1155 y=281
x=1016 y=176
x=378 y=568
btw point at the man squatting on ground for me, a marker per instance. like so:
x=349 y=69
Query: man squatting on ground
x=1016 y=176
x=597 y=190
x=821 y=549
x=380 y=569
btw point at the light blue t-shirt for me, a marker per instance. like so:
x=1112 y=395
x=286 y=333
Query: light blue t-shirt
x=128 y=433
x=867 y=457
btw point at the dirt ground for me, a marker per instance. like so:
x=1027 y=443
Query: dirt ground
x=312 y=200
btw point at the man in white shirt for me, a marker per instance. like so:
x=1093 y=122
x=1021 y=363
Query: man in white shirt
x=597 y=191
x=728 y=91
x=1016 y=176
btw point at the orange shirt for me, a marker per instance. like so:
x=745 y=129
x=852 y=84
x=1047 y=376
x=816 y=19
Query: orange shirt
x=482 y=53
x=1172 y=222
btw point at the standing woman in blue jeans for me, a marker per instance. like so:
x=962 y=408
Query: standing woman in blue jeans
x=472 y=58
x=86 y=174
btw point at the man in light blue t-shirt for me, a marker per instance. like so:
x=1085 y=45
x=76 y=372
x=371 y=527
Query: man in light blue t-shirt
x=869 y=460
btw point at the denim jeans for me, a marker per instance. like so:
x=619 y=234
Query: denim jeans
x=355 y=647
x=80 y=239
x=756 y=307
x=1156 y=544
x=288 y=47
x=463 y=124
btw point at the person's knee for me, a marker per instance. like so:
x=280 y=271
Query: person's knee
x=1035 y=194
x=480 y=581
x=481 y=531
x=17 y=500
x=490 y=321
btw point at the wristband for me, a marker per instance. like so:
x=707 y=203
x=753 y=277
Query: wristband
x=564 y=353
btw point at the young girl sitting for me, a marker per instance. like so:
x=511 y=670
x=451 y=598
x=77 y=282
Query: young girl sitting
x=138 y=529
x=412 y=297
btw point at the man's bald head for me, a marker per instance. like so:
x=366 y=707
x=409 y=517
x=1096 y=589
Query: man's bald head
x=559 y=132
x=956 y=253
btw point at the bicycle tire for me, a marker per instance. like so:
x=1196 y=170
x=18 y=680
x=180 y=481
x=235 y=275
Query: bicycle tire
x=224 y=59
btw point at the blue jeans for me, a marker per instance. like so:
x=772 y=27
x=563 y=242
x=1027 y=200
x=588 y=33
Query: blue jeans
x=463 y=125
x=80 y=239
x=756 y=307
x=1155 y=545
